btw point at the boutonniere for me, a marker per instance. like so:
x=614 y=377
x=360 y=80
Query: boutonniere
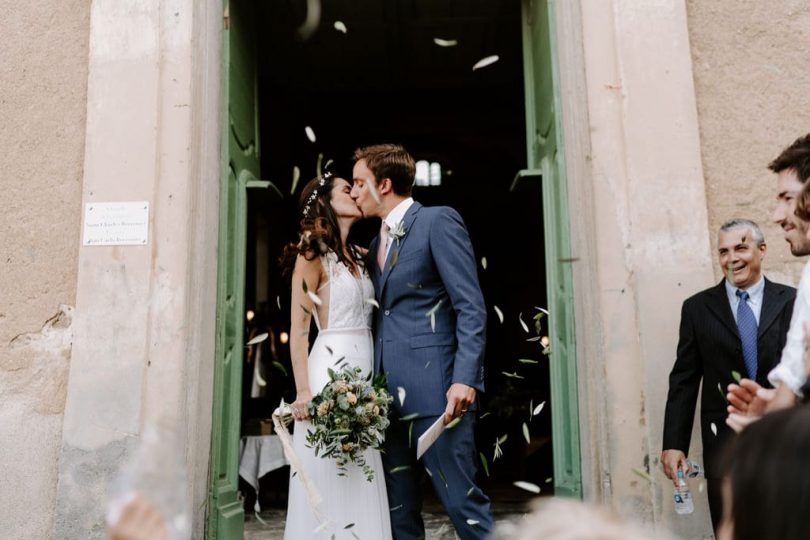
x=397 y=232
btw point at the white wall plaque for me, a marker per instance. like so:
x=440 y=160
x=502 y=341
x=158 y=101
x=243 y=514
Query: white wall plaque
x=116 y=223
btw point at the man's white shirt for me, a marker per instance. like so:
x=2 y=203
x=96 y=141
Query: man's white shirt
x=396 y=215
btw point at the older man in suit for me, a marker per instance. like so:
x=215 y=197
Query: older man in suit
x=735 y=329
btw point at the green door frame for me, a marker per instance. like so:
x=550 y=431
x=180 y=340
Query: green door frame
x=239 y=171
x=545 y=161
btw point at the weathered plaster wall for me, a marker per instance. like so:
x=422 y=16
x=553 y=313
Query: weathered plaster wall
x=751 y=73
x=639 y=234
x=43 y=90
x=144 y=328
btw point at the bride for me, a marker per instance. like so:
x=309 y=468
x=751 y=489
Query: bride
x=331 y=285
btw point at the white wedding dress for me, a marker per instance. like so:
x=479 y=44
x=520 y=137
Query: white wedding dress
x=351 y=506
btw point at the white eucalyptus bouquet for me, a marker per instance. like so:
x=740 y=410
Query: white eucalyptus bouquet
x=348 y=416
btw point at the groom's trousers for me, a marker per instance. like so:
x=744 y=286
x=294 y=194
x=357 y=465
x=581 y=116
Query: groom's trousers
x=451 y=464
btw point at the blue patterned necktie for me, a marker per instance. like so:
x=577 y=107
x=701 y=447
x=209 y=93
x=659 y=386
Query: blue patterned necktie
x=747 y=325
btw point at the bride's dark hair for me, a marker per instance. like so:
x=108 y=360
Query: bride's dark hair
x=318 y=231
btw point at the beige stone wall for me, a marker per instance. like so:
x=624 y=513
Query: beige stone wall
x=751 y=72
x=43 y=88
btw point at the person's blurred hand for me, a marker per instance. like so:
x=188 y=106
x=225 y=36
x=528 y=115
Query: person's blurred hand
x=139 y=520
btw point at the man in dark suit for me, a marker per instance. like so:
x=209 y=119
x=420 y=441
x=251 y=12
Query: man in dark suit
x=429 y=337
x=737 y=326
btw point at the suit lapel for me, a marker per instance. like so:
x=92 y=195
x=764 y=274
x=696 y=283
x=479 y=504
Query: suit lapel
x=407 y=221
x=772 y=301
x=717 y=302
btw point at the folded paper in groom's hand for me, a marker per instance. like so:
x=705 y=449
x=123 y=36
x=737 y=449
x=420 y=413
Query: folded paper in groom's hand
x=429 y=437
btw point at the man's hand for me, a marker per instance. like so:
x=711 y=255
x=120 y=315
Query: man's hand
x=744 y=398
x=460 y=397
x=672 y=460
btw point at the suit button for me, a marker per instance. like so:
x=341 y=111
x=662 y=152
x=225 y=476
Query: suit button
x=387 y=312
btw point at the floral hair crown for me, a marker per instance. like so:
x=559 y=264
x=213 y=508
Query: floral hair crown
x=314 y=194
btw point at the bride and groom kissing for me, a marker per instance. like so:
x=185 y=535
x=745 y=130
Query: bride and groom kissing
x=417 y=287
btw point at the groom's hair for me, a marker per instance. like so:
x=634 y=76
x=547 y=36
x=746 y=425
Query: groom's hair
x=389 y=161
x=796 y=157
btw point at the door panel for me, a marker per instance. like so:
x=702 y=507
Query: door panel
x=240 y=164
x=543 y=145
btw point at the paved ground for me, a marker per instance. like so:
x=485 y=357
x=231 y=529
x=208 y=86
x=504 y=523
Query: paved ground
x=509 y=506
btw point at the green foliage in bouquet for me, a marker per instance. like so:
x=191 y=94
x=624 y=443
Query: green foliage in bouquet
x=349 y=415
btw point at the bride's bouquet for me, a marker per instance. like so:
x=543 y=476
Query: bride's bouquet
x=348 y=416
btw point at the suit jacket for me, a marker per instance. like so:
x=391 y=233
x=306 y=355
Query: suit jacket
x=709 y=348
x=430 y=328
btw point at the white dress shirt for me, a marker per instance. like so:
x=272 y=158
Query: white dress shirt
x=790 y=370
x=396 y=215
x=755 y=294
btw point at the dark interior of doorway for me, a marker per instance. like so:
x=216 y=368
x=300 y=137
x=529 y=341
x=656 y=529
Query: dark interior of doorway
x=386 y=80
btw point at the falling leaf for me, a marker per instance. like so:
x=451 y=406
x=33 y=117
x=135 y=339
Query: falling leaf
x=401 y=394
x=340 y=26
x=484 y=415
x=499 y=313
x=714 y=429
x=373 y=302
x=720 y=389
x=643 y=474
x=484 y=62
x=318 y=162
x=701 y=486
x=306 y=310
x=415 y=285
x=523 y=324
x=409 y=417
x=394 y=258
x=484 y=263
x=310 y=134
x=398 y=507
x=258 y=339
x=372 y=188
x=400 y=469
x=736 y=376
x=296 y=177
x=441 y=475
x=470 y=491
x=445 y=42
x=531 y=406
x=304 y=285
x=427 y=470
x=433 y=322
x=339 y=360
x=538 y=409
x=349 y=526
x=410 y=435
x=513 y=375
x=472 y=522
x=528 y=486
x=526 y=433
x=314 y=297
x=484 y=462
x=329 y=350
x=257 y=373
x=276 y=364
x=541 y=310
x=498 y=442
x=427 y=364
x=278 y=302
x=453 y=423
x=535 y=338
x=312 y=20
x=527 y=361
x=548 y=480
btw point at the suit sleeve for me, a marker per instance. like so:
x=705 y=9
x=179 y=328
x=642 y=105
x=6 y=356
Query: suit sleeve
x=453 y=255
x=684 y=386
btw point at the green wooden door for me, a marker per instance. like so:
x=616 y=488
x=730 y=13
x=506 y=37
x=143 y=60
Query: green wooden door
x=545 y=160
x=240 y=167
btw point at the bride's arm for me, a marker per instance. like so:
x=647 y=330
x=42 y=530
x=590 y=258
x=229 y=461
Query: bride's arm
x=301 y=307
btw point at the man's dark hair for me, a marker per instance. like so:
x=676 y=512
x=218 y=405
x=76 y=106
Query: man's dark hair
x=796 y=157
x=389 y=161
x=766 y=467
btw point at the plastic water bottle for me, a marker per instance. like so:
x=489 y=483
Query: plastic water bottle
x=683 y=498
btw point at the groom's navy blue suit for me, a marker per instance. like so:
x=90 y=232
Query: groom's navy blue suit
x=430 y=269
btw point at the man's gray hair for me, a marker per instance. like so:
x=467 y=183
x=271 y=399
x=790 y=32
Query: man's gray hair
x=740 y=223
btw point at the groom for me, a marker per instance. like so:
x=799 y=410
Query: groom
x=429 y=341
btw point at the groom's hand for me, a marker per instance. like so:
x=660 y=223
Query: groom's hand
x=460 y=397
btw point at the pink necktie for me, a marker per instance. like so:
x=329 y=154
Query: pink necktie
x=383 y=248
